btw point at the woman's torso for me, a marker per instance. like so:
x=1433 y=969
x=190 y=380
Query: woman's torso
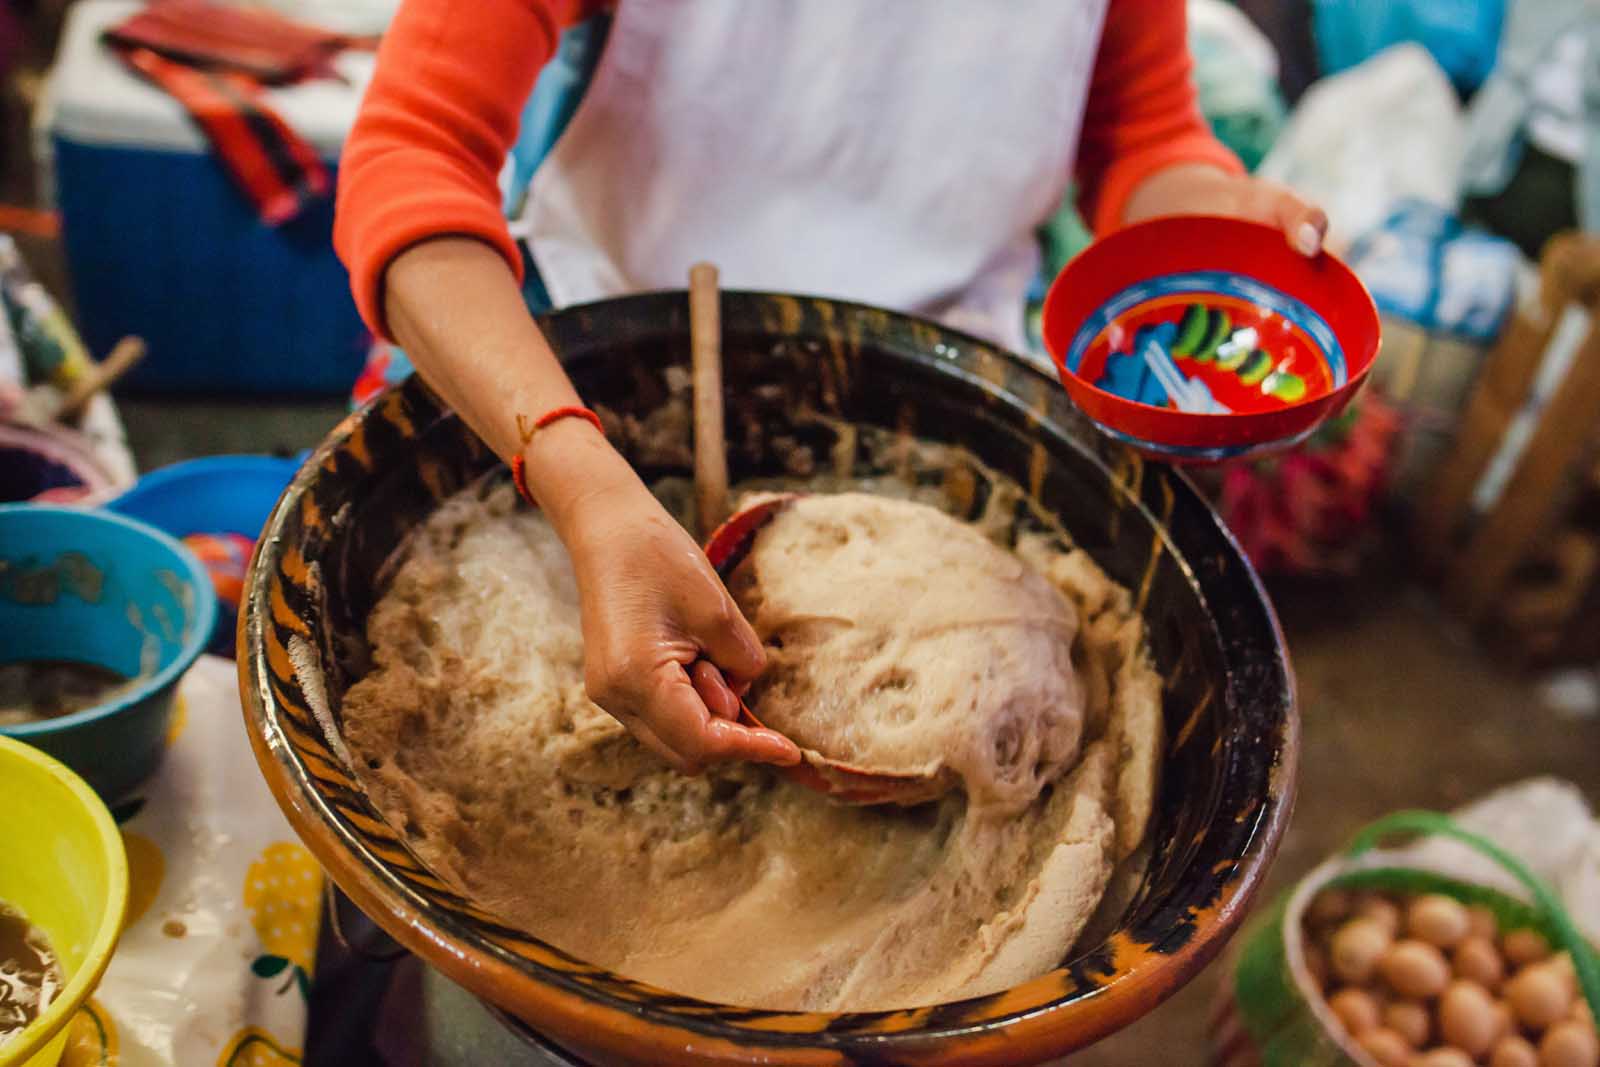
x=896 y=152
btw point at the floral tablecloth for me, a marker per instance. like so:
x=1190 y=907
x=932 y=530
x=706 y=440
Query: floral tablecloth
x=214 y=966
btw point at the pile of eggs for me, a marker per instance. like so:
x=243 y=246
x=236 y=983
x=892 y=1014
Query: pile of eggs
x=1426 y=981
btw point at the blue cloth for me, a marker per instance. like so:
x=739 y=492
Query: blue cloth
x=1462 y=35
x=555 y=99
x=1422 y=264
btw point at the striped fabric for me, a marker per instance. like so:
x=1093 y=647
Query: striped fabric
x=272 y=165
x=216 y=62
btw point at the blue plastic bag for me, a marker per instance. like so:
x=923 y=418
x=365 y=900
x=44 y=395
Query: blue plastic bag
x=1463 y=35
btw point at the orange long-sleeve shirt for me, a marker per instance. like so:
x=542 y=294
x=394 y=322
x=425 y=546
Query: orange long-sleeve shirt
x=453 y=76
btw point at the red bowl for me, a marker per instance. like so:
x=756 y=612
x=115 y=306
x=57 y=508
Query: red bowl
x=1198 y=339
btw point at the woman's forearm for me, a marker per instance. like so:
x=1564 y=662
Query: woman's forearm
x=456 y=309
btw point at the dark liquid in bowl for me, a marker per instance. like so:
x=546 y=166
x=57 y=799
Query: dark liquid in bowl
x=35 y=689
x=29 y=975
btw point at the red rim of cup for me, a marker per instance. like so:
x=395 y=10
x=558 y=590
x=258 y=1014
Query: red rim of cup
x=1182 y=244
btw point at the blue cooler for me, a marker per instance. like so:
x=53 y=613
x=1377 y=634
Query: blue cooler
x=160 y=243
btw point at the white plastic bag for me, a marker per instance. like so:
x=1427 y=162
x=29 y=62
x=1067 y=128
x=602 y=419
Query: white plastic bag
x=1545 y=823
x=1361 y=141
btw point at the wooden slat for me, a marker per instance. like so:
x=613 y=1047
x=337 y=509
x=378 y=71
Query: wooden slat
x=1526 y=508
x=1503 y=384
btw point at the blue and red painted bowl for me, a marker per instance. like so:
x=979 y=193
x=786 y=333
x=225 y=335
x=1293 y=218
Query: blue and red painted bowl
x=1201 y=339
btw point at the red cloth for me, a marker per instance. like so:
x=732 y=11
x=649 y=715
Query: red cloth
x=1143 y=113
x=272 y=164
x=453 y=75
x=1313 y=510
x=199 y=33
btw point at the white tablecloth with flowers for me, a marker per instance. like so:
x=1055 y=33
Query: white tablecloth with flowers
x=214 y=965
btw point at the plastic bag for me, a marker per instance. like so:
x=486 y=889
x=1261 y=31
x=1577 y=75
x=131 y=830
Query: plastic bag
x=1423 y=265
x=1360 y=142
x=1236 y=73
x=1462 y=35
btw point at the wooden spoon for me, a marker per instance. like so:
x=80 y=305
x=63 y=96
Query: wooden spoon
x=705 y=349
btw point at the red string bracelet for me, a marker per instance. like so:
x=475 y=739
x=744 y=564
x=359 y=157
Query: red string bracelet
x=519 y=476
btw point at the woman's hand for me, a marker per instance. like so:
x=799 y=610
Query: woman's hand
x=665 y=646
x=661 y=634
x=1201 y=189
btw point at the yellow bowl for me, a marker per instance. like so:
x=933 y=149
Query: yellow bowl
x=65 y=869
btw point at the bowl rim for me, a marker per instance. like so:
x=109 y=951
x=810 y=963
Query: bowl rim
x=201 y=468
x=1010 y=1022
x=83 y=982
x=1143 y=425
x=195 y=639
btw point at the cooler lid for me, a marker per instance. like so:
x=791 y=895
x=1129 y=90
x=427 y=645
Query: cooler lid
x=92 y=98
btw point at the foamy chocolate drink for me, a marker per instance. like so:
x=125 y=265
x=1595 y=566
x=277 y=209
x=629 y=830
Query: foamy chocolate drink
x=903 y=643
x=473 y=735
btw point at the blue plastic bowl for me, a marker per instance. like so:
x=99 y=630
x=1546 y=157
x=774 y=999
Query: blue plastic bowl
x=217 y=494
x=104 y=589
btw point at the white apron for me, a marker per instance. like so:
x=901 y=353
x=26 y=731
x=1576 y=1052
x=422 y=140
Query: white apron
x=896 y=152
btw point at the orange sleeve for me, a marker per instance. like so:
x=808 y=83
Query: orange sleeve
x=424 y=156
x=1143 y=113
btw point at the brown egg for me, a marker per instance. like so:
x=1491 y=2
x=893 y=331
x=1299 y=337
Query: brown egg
x=1410 y=1020
x=1356 y=1009
x=1481 y=922
x=1316 y=963
x=1504 y=1022
x=1561 y=963
x=1538 y=996
x=1328 y=906
x=1569 y=1044
x=1523 y=947
x=1356 y=948
x=1443 y=1057
x=1467 y=1017
x=1386 y=1046
x=1477 y=960
x=1514 y=1051
x=1438 y=920
x=1382 y=910
x=1415 y=969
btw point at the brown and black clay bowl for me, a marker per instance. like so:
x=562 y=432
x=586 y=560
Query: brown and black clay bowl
x=1232 y=730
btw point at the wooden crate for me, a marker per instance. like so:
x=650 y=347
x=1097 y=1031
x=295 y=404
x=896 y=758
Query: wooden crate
x=1427 y=377
x=1523 y=564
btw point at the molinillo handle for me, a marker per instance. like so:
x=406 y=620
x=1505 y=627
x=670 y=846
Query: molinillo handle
x=102 y=375
x=710 y=450
x=1568 y=937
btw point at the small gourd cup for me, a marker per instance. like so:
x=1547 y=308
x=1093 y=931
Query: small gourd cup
x=847 y=783
x=1200 y=339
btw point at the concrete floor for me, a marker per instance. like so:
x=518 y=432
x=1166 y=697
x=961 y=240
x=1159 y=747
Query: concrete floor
x=1399 y=708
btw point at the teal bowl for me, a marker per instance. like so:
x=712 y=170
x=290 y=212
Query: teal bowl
x=95 y=588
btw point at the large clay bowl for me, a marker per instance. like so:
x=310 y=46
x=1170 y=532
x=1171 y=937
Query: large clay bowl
x=1233 y=733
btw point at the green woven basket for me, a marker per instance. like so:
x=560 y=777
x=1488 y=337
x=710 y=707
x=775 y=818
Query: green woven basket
x=1273 y=1014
